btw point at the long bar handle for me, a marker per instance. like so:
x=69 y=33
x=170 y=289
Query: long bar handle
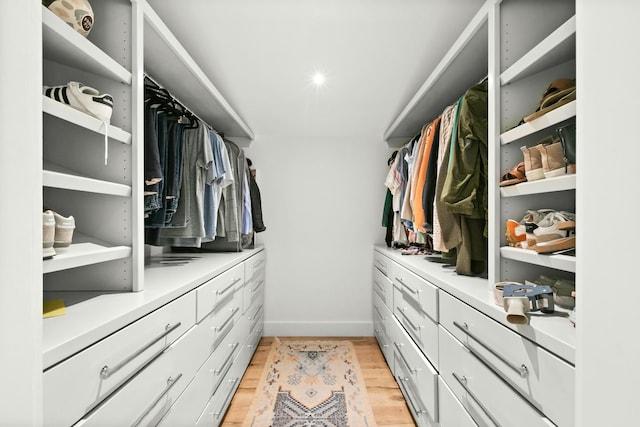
x=220 y=292
x=224 y=325
x=257 y=286
x=404 y=285
x=399 y=347
x=106 y=371
x=409 y=399
x=521 y=370
x=170 y=383
x=463 y=383
x=226 y=400
x=224 y=364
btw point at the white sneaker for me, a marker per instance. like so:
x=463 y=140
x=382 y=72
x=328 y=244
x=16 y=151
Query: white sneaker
x=83 y=98
x=88 y=100
x=63 y=229
x=48 y=234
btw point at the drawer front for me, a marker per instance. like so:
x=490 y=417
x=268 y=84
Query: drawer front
x=417 y=378
x=222 y=319
x=383 y=287
x=218 y=404
x=255 y=266
x=417 y=291
x=252 y=291
x=218 y=289
x=382 y=263
x=381 y=316
x=75 y=386
x=153 y=390
x=248 y=349
x=256 y=317
x=189 y=406
x=420 y=327
x=452 y=413
x=488 y=399
x=538 y=375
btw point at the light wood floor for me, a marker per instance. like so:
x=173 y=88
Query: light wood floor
x=387 y=402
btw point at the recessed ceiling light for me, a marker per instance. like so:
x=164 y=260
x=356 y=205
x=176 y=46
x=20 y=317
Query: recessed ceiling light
x=318 y=79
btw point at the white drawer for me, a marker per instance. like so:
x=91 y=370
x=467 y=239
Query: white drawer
x=222 y=319
x=255 y=317
x=154 y=390
x=538 y=375
x=383 y=287
x=382 y=263
x=75 y=386
x=252 y=291
x=488 y=399
x=417 y=323
x=217 y=406
x=417 y=291
x=255 y=265
x=452 y=413
x=417 y=379
x=381 y=317
x=216 y=290
x=189 y=406
x=248 y=349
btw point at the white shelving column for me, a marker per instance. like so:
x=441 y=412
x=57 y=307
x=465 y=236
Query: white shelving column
x=21 y=214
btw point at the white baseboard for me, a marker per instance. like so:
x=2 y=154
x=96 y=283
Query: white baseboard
x=318 y=329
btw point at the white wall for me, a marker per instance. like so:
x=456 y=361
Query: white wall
x=608 y=348
x=322 y=201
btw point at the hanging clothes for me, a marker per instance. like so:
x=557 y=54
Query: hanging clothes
x=465 y=190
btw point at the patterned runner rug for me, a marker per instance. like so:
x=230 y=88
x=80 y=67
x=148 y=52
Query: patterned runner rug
x=311 y=384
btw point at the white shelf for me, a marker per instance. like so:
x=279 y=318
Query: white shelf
x=558 y=47
x=83 y=251
x=559 y=262
x=58 y=177
x=551 y=118
x=64 y=45
x=546 y=185
x=464 y=65
x=168 y=63
x=71 y=115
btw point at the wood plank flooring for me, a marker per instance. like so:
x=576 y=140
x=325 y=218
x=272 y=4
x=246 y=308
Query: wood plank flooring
x=387 y=402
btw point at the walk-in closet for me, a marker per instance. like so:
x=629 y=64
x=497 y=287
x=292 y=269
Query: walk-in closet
x=191 y=187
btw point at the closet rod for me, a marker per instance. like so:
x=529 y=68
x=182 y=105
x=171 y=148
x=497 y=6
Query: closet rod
x=154 y=81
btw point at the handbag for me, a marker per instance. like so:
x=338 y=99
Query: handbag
x=567 y=135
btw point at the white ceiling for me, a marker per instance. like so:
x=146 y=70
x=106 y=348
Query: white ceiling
x=261 y=55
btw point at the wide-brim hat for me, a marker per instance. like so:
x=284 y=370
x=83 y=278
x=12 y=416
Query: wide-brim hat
x=557 y=94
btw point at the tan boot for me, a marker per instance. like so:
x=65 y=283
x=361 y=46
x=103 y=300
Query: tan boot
x=553 y=162
x=532 y=163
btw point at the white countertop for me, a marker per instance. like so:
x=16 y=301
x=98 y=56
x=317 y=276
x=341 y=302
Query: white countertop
x=91 y=316
x=553 y=332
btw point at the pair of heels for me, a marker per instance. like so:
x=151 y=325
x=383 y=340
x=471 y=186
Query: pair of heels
x=544 y=231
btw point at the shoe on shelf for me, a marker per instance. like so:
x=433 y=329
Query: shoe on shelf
x=48 y=234
x=64 y=227
x=514 y=176
x=532 y=163
x=563 y=289
x=553 y=159
x=555 y=232
x=82 y=98
x=521 y=233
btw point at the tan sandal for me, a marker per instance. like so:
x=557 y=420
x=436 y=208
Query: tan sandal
x=516 y=175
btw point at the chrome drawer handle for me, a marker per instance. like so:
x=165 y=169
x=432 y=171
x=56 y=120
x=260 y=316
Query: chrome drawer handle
x=258 y=264
x=382 y=267
x=380 y=340
x=378 y=311
x=521 y=370
x=257 y=286
x=106 y=371
x=224 y=325
x=381 y=295
x=220 y=292
x=404 y=360
x=170 y=383
x=225 y=368
x=226 y=400
x=409 y=397
x=256 y=313
x=404 y=316
x=463 y=382
x=409 y=288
